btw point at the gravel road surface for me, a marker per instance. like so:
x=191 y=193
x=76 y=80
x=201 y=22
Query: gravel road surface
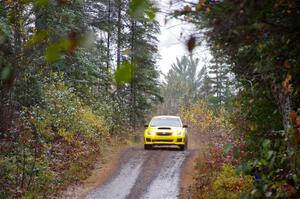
x=151 y=174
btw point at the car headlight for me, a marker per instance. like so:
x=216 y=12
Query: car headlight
x=150 y=133
x=177 y=133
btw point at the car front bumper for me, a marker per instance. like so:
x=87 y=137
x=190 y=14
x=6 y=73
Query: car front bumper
x=164 y=140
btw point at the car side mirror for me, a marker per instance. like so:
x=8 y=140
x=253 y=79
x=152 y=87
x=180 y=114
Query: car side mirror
x=146 y=125
x=185 y=126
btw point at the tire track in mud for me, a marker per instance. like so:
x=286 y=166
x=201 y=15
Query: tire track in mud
x=166 y=184
x=146 y=175
x=121 y=183
x=149 y=171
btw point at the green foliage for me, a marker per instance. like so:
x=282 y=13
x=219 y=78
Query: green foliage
x=59 y=102
x=37 y=38
x=53 y=142
x=5 y=72
x=67 y=114
x=5 y=29
x=255 y=118
x=54 y=50
x=185 y=84
x=182 y=84
x=124 y=73
x=227 y=147
x=140 y=8
x=258 y=40
x=221 y=80
x=220 y=147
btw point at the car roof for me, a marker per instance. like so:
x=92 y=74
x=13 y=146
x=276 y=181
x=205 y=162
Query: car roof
x=167 y=116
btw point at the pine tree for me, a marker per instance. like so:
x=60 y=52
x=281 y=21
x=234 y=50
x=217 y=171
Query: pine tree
x=219 y=80
x=206 y=89
x=182 y=84
x=143 y=86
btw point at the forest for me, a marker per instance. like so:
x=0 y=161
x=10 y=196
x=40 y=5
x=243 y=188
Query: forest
x=78 y=76
x=73 y=74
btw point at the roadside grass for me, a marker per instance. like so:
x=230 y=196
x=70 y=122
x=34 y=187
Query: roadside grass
x=135 y=138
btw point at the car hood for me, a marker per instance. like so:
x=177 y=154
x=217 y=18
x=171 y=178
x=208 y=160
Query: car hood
x=165 y=129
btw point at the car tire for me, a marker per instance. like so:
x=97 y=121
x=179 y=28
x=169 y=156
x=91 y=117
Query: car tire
x=147 y=146
x=182 y=147
x=186 y=144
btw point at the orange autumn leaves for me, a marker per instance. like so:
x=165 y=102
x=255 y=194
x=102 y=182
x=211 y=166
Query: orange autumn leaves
x=295 y=118
x=285 y=6
x=202 y=5
x=287 y=87
x=286 y=84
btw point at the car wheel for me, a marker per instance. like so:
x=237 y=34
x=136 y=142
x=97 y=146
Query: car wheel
x=147 y=146
x=182 y=147
x=186 y=144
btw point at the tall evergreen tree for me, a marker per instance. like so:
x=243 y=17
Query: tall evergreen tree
x=58 y=84
x=219 y=77
x=182 y=84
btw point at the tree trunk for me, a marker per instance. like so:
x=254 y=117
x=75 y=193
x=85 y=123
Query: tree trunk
x=132 y=85
x=108 y=42
x=283 y=102
x=119 y=33
x=13 y=54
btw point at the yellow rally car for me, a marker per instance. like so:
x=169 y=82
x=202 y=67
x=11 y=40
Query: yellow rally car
x=165 y=130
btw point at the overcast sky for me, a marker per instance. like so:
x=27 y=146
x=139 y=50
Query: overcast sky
x=172 y=38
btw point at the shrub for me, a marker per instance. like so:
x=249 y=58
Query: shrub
x=198 y=115
x=218 y=134
x=51 y=145
x=64 y=115
x=229 y=184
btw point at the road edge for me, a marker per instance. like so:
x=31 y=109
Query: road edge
x=186 y=175
x=99 y=175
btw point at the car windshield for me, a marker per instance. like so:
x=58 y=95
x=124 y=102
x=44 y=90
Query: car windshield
x=165 y=121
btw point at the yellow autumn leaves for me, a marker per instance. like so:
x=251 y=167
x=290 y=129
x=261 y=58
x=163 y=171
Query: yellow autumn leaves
x=229 y=184
x=66 y=116
x=200 y=116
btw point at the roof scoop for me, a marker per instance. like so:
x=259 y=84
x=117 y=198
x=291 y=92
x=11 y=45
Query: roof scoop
x=164 y=128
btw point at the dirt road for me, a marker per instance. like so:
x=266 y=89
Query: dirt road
x=144 y=175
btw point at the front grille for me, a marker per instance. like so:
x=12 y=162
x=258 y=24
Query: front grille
x=164 y=133
x=165 y=128
x=162 y=140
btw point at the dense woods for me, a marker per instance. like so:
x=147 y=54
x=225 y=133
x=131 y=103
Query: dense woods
x=258 y=43
x=186 y=83
x=73 y=73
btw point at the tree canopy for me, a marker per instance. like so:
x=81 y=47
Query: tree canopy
x=259 y=40
x=72 y=74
